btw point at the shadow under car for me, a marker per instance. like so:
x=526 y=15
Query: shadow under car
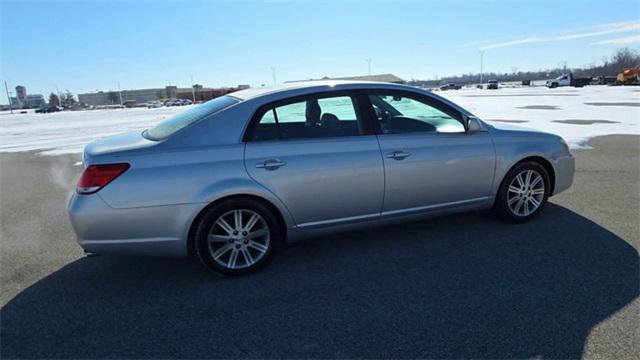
x=464 y=286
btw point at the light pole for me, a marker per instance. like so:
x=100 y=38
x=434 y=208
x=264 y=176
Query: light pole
x=8 y=96
x=193 y=90
x=59 y=96
x=119 y=93
x=368 y=69
x=481 y=65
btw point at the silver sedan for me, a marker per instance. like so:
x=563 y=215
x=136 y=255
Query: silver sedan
x=229 y=180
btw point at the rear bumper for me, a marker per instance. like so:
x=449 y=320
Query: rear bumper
x=149 y=231
x=564 y=167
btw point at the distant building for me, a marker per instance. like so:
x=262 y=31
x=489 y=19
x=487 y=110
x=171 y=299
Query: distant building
x=36 y=101
x=140 y=96
x=202 y=93
x=24 y=100
x=15 y=103
x=21 y=94
x=390 y=78
x=147 y=95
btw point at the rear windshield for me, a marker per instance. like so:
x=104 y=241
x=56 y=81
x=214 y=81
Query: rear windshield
x=179 y=121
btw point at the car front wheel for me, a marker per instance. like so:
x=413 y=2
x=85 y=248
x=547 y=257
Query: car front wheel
x=237 y=237
x=524 y=192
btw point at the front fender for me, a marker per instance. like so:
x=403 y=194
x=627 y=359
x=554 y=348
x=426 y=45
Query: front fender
x=511 y=150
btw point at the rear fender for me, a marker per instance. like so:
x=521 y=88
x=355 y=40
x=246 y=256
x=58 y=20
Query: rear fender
x=241 y=186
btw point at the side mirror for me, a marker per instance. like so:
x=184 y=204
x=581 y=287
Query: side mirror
x=474 y=124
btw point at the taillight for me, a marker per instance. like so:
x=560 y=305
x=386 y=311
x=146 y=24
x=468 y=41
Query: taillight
x=95 y=177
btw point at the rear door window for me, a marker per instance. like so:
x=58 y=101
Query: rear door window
x=310 y=117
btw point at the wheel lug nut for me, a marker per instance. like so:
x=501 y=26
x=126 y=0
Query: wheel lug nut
x=235 y=232
x=246 y=241
x=238 y=246
x=244 y=233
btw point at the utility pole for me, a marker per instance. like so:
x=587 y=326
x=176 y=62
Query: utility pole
x=273 y=74
x=368 y=69
x=8 y=96
x=59 y=96
x=119 y=93
x=193 y=90
x=481 y=65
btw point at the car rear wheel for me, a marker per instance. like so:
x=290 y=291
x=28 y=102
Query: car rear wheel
x=237 y=237
x=523 y=192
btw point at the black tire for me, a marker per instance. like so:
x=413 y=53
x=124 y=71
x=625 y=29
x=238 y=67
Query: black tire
x=501 y=206
x=208 y=226
x=554 y=85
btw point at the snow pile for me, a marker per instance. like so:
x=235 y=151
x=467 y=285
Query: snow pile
x=583 y=113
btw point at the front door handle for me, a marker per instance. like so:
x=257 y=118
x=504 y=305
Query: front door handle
x=271 y=164
x=398 y=155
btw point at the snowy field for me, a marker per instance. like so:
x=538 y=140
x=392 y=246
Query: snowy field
x=575 y=114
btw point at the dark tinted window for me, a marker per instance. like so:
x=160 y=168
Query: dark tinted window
x=312 y=117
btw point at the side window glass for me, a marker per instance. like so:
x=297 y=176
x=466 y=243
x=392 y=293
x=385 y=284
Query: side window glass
x=292 y=113
x=341 y=107
x=267 y=129
x=311 y=118
x=400 y=114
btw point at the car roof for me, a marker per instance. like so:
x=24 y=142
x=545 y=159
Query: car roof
x=319 y=85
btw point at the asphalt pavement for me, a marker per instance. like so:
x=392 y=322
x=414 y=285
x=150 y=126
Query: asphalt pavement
x=564 y=285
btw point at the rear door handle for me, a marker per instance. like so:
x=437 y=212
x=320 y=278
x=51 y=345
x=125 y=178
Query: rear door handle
x=271 y=164
x=398 y=155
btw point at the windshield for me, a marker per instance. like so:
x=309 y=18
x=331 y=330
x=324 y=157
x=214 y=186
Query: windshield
x=179 y=121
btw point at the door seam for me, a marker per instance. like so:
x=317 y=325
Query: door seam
x=384 y=176
x=244 y=164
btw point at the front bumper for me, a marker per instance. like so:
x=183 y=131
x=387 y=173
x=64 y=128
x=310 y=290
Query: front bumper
x=149 y=231
x=564 y=167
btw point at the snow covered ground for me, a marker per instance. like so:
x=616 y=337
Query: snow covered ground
x=69 y=131
x=575 y=114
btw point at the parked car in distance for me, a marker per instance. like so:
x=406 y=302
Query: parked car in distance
x=492 y=85
x=133 y=104
x=450 y=86
x=230 y=179
x=154 y=104
x=178 y=102
x=567 y=80
x=48 y=109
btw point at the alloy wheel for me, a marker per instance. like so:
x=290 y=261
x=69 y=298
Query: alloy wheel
x=526 y=193
x=239 y=239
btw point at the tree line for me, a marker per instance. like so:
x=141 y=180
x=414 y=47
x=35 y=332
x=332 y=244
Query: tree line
x=66 y=99
x=622 y=59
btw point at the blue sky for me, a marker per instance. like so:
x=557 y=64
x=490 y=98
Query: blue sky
x=90 y=45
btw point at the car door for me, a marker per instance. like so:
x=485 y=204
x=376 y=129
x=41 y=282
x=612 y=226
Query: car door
x=314 y=153
x=430 y=161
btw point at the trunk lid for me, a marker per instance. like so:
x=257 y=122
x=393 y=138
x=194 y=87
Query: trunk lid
x=116 y=145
